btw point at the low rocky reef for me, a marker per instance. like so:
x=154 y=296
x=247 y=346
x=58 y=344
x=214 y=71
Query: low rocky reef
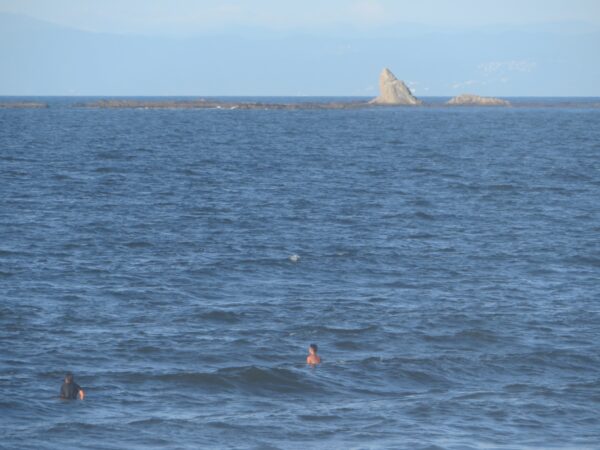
x=392 y=92
x=23 y=105
x=213 y=104
x=477 y=100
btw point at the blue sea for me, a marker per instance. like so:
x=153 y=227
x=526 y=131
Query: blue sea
x=179 y=262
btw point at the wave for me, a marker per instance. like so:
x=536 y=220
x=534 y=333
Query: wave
x=318 y=418
x=474 y=337
x=72 y=426
x=114 y=155
x=106 y=170
x=424 y=216
x=251 y=379
x=270 y=379
x=501 y=187
x=220 y=316
x=584 y=261
x=324 y=330
x=13 y=253
x=349 y=345
x=157 y=421
x=423 y=377
x=138 y=244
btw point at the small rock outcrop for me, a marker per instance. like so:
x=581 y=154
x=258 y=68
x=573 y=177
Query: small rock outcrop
x=393 y=91
x=477 y=100
x=23 y=105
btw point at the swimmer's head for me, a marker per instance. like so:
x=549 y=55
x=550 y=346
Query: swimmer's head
x=312 y=348
x=69 y=378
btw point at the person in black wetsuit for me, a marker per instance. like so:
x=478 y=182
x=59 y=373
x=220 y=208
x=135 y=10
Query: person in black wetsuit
x=71 y=390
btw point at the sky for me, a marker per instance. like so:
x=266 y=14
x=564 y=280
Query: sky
x=269 y=47
x=188 y=16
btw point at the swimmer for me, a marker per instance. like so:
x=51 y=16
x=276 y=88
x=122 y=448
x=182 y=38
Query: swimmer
x=70 y=390
x=313 y=359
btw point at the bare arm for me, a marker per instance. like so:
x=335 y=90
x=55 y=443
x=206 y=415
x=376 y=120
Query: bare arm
x=81 y=394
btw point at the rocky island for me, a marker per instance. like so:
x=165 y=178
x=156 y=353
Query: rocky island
x=393 y=91
x=476 y=100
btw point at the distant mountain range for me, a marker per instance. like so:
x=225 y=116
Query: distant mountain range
x=40 y=58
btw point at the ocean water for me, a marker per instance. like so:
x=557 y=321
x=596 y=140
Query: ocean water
x=449 y=270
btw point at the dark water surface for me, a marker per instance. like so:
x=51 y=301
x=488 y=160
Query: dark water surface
x=449 y=271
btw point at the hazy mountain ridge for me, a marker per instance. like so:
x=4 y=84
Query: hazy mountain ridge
x=42 y=58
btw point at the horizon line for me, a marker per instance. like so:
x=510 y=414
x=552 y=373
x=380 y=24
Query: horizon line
x=276 y=96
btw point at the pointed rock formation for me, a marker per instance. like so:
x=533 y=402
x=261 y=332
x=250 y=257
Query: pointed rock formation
x=476 y=100
x=393 y=91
